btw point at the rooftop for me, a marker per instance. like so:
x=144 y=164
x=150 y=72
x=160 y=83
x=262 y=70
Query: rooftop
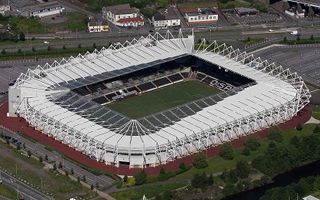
x=42 y=6
x=167 y=14
x=121 y=9
x=199 y=11
x=128 y=20
x=97 y=21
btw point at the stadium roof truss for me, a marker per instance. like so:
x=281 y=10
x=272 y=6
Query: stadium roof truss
x=44 y=97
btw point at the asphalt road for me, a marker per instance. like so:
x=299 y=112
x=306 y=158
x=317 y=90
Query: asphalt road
x=40 y=150
x=25 y=191
x=103 y=39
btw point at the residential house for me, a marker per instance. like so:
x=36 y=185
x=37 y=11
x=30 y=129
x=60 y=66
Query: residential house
x=123 y=15
x=201 y=16
x=169 y=17
x=97 y=24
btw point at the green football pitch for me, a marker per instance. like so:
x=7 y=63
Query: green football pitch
x=162 y=99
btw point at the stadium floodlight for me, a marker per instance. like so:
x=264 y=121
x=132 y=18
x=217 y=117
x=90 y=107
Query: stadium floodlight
x=45 y=98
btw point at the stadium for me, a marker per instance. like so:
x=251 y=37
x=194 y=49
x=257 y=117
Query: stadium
x=155 y=99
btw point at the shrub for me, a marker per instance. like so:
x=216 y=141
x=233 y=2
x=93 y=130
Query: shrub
x=242 y=169
x=246 y=151
x=252 y=143
x=200 y=161
x=316 y=129
x=299 y=127
x=140 y=178
x=131 y=181
x=125 y=178
x=226 y=151
x=275 y=135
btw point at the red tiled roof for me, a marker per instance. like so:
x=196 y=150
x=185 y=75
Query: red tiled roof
x=128 y=20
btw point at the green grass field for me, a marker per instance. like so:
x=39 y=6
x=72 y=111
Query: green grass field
x=148 y=190
x=316 y=112
x=162 y=99
x=7 y=192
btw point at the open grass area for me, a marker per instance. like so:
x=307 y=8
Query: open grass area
x=244 y=3
x=148 y=190
x=218 y=164
x=31 y=170
x=7 y=192
x=316 y=112
x=75 y=21
x=27 y=25
x=162 y=99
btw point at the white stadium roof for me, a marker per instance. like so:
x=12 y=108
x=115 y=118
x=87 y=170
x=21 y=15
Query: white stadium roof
x=41 y=96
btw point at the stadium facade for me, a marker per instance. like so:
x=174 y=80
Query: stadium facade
x=65 y=100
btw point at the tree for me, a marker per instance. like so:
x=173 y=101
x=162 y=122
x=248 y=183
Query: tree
x=299 y=127
x=311 y=37
x=229 y=189
x=182 y=166
x=140 y=178
x=18 y=146
x=29 y=153
x=242 y=169
x=252 y=143
x=285 y=39
x=131 y=181
x=210 y=180
x=226 y=151
x=316 y=129
x=275 y=135
x=200 y=161
x=199 y=181
x=60 y=165
x=125 y=178
x=22 y=37
x=246 y=151
x=295 y=141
